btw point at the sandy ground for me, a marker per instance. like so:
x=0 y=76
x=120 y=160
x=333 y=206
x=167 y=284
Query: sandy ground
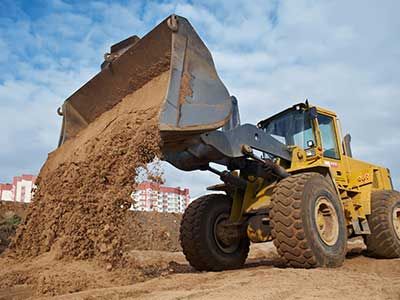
x=261 y=278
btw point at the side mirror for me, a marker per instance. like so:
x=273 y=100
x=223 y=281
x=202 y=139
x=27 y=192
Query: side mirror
x=346 y=145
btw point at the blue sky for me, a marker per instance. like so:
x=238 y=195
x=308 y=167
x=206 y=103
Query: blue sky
x=344 y=55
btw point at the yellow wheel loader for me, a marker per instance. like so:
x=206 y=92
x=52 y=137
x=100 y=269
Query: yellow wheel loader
x=290 y=178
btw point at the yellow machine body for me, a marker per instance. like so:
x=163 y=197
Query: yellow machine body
x=354 y=181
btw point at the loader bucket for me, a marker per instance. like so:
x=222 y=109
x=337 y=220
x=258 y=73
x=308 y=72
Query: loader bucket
x=195 y=101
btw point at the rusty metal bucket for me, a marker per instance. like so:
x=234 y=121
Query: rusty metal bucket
x=196 y=100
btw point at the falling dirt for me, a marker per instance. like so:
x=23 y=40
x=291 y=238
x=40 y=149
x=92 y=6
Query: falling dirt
x=144 y=61
x=80 y=207
x=80 y=215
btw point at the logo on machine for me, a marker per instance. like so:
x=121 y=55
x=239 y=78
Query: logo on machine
x=331 y=164
x=363 y=178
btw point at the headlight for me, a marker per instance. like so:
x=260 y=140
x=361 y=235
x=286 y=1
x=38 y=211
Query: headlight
x=310 y=152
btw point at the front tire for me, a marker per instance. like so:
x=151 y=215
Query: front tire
x=199 y=241
x=307 y=220
x=384 y=222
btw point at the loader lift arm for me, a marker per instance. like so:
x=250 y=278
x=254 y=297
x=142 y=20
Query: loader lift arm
x=226 y=148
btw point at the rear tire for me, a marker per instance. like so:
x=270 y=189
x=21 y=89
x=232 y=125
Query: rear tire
x=307 y=220
x=198 y=239
x=384 y=222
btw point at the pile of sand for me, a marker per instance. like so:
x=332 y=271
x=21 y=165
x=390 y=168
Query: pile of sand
x=46 y=274
x=16 y=208
x=80 y=209
x=152 y=231
x=11 y=214
x=79 y=232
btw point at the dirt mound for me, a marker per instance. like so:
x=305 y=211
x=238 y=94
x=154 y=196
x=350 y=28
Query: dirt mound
x=46 y=274
x=152 y=231
x=261 y=278
x=16 y=208
x=80 y=209
x=11 y=214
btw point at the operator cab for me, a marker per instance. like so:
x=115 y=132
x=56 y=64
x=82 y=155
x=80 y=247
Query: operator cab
x=300 y=126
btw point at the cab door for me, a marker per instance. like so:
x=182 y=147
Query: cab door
x=332 y=155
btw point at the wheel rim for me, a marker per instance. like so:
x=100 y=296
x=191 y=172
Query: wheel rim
x=396 y=221
x=222 y=218
x=327 y=221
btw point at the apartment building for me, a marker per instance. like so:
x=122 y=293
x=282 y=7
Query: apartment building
x=150 y=196
x=20 y=190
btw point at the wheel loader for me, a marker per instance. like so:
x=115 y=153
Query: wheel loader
x=290 y=178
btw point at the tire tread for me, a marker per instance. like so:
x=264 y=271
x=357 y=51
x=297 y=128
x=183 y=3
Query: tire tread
x=382 y=242
x=287 y=229
x=194 y=249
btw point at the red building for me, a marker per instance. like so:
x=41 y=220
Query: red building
x=20 y=190
x=151 y=196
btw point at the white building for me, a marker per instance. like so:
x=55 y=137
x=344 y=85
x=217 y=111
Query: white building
x=151 y=196
x=20 y=190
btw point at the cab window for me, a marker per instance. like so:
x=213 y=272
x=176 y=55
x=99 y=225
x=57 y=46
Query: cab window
x=328 y=136
x=292 y=127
